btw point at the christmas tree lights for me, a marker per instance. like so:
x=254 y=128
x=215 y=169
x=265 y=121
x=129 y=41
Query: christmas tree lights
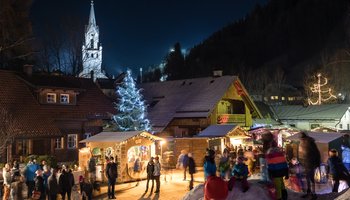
x=322 y=95
x=131 y=109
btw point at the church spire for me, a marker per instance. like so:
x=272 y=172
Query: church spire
x=92 y=21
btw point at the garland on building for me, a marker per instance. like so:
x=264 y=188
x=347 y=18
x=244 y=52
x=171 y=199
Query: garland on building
x=322 y=95
x=131 y=109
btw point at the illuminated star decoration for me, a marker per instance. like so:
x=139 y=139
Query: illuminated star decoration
x=317 y=88
x=131 y=109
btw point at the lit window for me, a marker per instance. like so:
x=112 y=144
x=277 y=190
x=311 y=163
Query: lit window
x=274 y=97
x=291 y=98
x=59 y=143
x=64 y=98
x=72 y=141
x=283 y=98
x=51 y=98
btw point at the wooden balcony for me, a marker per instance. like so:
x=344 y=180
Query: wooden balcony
x=231 y=119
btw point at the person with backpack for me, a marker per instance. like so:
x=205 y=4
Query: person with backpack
x=112 y=175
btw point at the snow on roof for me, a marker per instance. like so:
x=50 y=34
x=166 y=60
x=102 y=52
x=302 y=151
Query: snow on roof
x=184 y=98
x=319 y=137
x=299 y=112
x=117 y=136
x=217 y=130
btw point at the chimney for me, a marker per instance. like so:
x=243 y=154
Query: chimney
x=217 y=73
x=28 y=69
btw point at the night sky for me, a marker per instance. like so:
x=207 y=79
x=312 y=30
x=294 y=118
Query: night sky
x=139 y=33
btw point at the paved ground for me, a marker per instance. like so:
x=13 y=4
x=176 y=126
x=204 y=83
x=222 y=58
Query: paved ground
x=174 y=188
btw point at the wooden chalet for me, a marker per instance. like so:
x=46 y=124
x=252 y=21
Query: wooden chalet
x=52 y=113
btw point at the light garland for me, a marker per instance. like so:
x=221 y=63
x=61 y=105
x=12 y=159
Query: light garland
x=131 y=109
x=317 y=88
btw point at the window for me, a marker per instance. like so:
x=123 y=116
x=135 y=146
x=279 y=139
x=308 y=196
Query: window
x=97 y=55
x=87 y=135
x=51 y=98
x=274 y=97
x=92 y=43
x=348 y=126
x=291 y=98
x=64 y=98
x=87 y=55
x=59 y=143
x=340 y=126
x=92 y=55
x=283 y=98
x=72 y=141
x=314 y=126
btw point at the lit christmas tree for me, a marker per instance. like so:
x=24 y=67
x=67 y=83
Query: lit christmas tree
x=322 y=95
x=131 y=109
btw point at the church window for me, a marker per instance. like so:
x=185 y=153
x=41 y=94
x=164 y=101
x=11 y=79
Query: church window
x=92 y=55
x=92 y=43
x=97 y=55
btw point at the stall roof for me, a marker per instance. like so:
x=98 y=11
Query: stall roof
x=319 y=137
x=229 y=130
x=118 y=136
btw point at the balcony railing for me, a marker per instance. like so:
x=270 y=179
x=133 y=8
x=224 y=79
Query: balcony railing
x=231 y=119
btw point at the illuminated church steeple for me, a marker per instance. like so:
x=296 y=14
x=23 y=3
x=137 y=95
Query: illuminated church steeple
x=92 y=49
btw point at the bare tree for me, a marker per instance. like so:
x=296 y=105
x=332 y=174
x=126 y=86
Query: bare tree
x=8 y=129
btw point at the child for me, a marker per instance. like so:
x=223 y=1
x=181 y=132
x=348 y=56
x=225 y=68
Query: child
x=296 y=175
x=75 y=193
x=239 y=173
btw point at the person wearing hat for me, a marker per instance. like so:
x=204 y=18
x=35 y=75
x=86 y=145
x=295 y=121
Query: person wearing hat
x=156 y=173
x=150 y=171
x=39 y=184
x=337 y=170
x=239 y=173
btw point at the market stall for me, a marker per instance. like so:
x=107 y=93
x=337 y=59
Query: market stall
x=132 y=151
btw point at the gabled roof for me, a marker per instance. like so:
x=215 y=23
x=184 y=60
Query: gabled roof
x=318 y=137
x=217 y=130
x=189 y=98
x=91 y=102
x=317 y=112
x=18 y=96
x=119 y=136
x=18 y=100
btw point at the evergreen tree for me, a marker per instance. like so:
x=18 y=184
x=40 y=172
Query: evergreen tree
x=175 y=63
x=131 y=109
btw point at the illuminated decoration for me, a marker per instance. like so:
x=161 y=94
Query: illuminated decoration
x=321 y=94
x=131 y=109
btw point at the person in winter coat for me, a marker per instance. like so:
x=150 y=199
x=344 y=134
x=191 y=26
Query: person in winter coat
x=17 y=188
x=29 y=173
x=337 y=170
x=310 y=159
x=52 y=185
x=267 y=139
x=239 y=173
x=296 y=175
x=278 y=168
x=39 y=184
x=209 y=164
x=6 y=173
x=345 y=147
x=87 y=190
x=66 y=182
x=191 y=169
x=215 y=188
x=156 y=174
x=112 y=175
x=150 y=171
x=185 y=164
x=224 y=165
x=250 y=161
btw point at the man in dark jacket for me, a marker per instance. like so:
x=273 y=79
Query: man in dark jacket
x=150 y=170
x=185 y=164
x=310 y=158
x=191 y=169
x=66 y=182
x=337 y=169
x=112 y=175
x=52 y=187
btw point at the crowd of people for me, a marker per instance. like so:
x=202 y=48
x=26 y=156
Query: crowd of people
x=236 y=164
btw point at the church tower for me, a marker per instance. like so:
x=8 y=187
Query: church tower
x=92 y=49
